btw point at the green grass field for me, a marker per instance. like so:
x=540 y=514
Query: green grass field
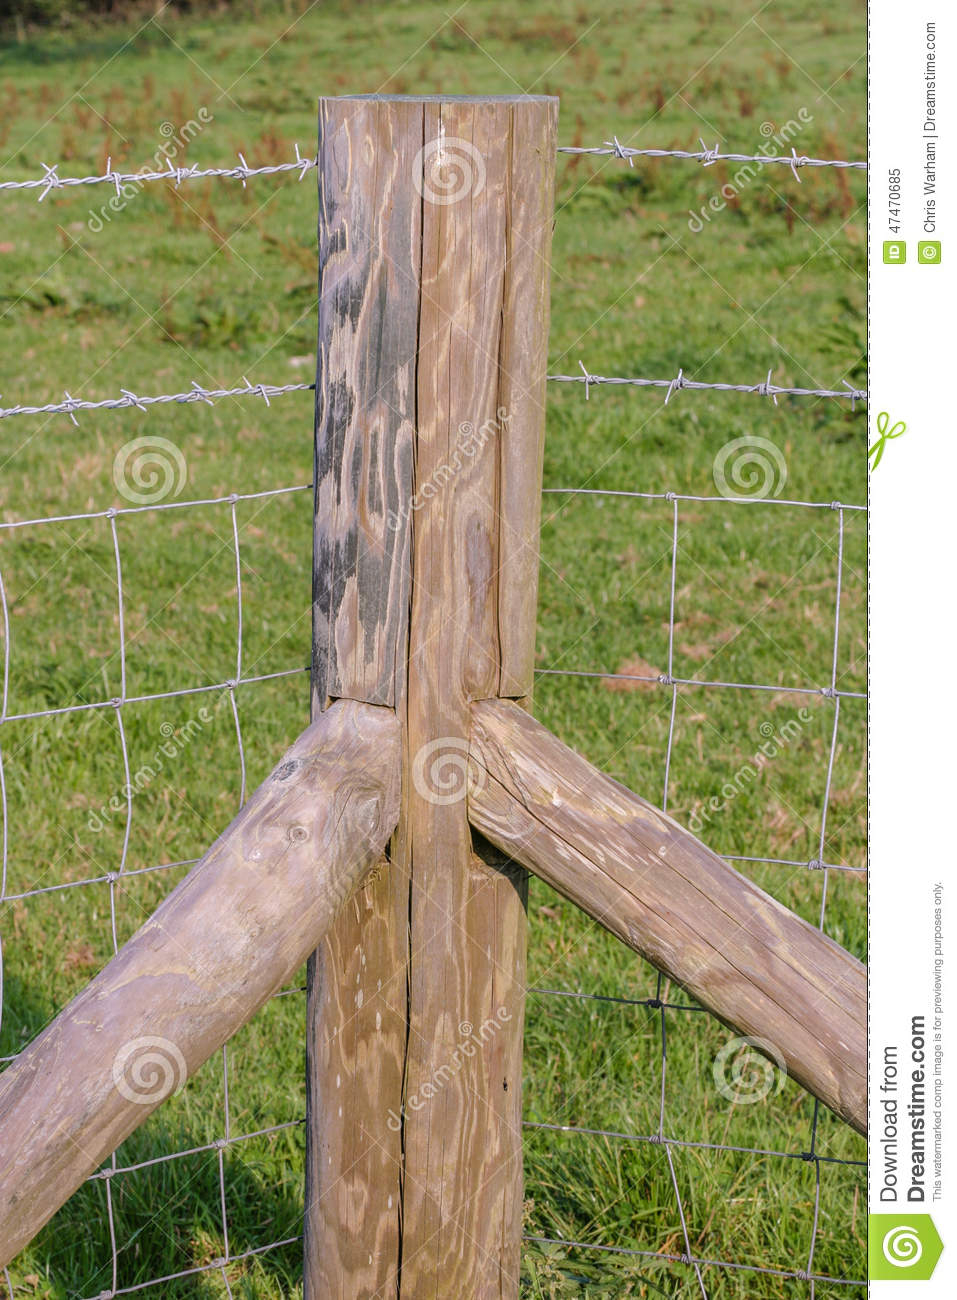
x=212 y=282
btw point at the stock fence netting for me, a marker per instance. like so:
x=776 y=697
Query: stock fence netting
x=220 y=714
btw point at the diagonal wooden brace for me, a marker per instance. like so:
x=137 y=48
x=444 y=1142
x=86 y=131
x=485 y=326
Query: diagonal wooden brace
x=198 y=969
x=762 y=970
x=227 y=937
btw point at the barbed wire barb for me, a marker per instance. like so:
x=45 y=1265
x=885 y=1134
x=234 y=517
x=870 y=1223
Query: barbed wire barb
x=707 y=157
x=197 y=393
x=242 y=171
x=681 y=382
x=614 y=144
x=194 y=394
x=304 y=163
x=50 y=181
x=767 y=389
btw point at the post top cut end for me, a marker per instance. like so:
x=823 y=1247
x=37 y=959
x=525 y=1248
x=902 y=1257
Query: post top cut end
x=448 y=99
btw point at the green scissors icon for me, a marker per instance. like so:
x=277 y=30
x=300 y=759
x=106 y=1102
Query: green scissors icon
x=883 y=422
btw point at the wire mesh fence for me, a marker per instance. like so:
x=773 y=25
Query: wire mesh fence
x=663 y=1133
x=29 y=879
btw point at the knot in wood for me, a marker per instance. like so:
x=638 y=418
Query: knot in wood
x=368 y=814
x=285 y=770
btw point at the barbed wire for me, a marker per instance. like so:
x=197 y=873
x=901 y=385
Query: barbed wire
x=708 y=157
x=52 y=180
x=198 y=393
x=680 y=382
x=195 y=394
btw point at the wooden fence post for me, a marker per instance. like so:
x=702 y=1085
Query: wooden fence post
x=434 y=238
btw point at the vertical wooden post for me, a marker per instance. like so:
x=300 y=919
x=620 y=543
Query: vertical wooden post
x=434 y=235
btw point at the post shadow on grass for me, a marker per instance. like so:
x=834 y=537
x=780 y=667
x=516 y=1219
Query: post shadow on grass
x=569 y=1274
x=167 y=1218
x=24 y=1012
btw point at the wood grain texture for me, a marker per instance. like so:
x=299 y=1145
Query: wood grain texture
x=762 y=970
x=224 y=940
x=462 y=1185
x=370 y=260
x=523 y=366
x=452 y=1231
x=414 y=1178
x=369 y=238
x=355 y=1053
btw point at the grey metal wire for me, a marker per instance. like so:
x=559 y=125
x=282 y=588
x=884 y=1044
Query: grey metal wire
x=660 y=1137
x=668 y=680
x=70 y=405
x=111 y=878
x=664 y=1007
x=701 y=1262
x=51 y=180
x=195 y=394
x=681 y=383
x=214 y=1266
x=708 y=157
